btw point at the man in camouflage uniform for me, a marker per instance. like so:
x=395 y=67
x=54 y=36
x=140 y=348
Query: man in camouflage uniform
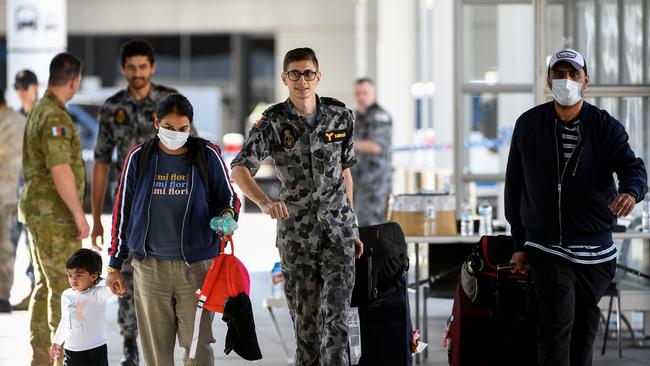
x=372 y=142
x=51 y=200
x=12 y=125
x=310 y=141
x=26 y=88
x=125 y=120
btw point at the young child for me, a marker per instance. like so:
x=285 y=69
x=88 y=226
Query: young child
x=82 y=330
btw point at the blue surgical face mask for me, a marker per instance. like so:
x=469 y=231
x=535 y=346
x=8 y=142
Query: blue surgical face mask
x=566 y=92
x=173 y=140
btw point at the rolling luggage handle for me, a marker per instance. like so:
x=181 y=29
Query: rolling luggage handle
x=512 y=293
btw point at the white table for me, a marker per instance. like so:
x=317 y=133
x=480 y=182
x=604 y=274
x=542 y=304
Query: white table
x=433 y=240
x=269 y=304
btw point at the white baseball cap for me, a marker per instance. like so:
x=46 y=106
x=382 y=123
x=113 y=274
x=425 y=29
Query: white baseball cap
x=568 y=55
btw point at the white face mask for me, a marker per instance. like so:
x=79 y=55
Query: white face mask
x=566 y=92
x=173 y=140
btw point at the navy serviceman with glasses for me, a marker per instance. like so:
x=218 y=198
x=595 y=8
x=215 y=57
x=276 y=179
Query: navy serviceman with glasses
x=309 y=138
x=562 y=202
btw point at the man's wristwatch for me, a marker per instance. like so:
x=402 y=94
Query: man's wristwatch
x=111 y=270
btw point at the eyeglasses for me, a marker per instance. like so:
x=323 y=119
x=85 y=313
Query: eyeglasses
x=294 y=75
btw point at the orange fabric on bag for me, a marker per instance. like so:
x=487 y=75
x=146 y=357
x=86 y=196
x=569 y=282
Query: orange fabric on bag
x=226 y=278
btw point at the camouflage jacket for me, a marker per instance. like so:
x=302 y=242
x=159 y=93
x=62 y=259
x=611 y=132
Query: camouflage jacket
x=12 y=126
x=372 y=170
x=51 y=138
x=125 y=122
x=309 y=162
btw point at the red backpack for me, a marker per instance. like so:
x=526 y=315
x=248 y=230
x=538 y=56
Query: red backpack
x=226 y=278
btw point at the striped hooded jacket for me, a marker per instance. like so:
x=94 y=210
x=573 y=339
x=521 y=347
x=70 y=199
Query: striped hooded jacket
x=132 y=202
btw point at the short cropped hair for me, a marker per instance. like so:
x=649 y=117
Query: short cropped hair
x=63 y=68
x=86 y=259
x=299 y=54
x=137 y=47
x=364 y=80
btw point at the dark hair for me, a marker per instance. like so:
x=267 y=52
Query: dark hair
x=86 y=259
x=137 y=47
x=299 y=54
x=175 y=103
x=364 y=80
x=2 y=97
x=63 y=68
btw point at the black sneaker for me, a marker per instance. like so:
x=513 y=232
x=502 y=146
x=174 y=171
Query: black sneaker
x=5 y=306
x=130 y=350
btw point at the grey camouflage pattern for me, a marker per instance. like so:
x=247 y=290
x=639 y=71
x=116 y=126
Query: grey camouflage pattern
x=372 y=176
x=316 y=242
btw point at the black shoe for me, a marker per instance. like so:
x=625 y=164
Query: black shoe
x=5 y=306
x=130 y=350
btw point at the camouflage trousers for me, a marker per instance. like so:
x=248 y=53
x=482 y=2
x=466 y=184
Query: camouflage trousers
x=7 y=252
x=126 y=310
x=53 y=242
x=318 y=282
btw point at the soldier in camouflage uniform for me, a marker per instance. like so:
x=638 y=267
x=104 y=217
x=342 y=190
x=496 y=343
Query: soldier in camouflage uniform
x=125 y=120
x=372 y=143
x=310 y=141
x=12 y=125
x=51 y=200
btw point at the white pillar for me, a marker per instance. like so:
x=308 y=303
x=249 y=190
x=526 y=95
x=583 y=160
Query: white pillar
x=361 y=38
x=397 y=71
x=36 y=31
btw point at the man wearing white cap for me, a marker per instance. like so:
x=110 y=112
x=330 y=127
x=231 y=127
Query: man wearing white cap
x=562 y=203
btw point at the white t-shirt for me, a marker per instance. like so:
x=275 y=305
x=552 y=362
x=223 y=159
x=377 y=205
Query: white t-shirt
x=83 y=318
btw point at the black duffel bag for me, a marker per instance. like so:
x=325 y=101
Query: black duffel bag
x=383 y=264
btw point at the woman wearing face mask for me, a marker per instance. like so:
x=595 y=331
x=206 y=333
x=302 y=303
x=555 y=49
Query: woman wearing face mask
x=170 y=188
x=562 y=203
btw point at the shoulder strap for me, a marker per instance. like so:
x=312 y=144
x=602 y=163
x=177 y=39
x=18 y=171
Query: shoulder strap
x=202 y=166
x=144 y=157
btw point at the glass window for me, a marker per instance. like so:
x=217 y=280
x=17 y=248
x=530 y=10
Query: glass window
x=210 y=57
x=632 y=119
x=608 y=68
x=489 y=120
x=633 y=42
x=610 y=105
x=498 y=43
x=586 y=36
x=168 y=56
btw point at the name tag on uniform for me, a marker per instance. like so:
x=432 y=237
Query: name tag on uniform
x=334 y=136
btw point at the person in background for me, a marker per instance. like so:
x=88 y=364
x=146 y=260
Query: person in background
x=26 y=88
x=162 y=214
x=372 y=175
x=12 y=125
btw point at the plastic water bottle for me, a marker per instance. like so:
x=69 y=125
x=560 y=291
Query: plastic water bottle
x=226 y=225
x=485 y=218
x=645 y=214
x=277 y=281
x=467 y=221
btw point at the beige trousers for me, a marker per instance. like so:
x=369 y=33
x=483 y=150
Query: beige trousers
x=165 y=306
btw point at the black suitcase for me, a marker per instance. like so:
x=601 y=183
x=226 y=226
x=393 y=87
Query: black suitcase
x=382 y=298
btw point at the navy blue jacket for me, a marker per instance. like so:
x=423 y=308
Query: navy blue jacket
x=131 y=210
x=549 y=204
